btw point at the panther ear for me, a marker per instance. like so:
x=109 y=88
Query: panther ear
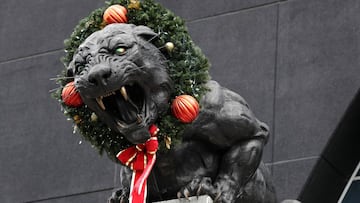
x=144 y=32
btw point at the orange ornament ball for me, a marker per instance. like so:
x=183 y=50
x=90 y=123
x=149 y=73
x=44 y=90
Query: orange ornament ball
x=115 y=14
x=71 y=96
x=185 y=108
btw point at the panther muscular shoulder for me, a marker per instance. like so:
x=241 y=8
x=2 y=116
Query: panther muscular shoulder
x=227 y=117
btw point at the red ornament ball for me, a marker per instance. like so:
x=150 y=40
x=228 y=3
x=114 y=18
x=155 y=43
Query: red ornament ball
x=115 y=14
x=71 y=96
x=185 y=108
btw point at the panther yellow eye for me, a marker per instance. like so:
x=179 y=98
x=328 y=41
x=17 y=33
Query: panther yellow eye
x=120 y=51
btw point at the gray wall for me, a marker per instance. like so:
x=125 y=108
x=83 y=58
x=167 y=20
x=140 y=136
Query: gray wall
x=296 y=62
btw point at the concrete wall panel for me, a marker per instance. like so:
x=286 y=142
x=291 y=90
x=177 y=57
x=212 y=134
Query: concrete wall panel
x=317 y=73
x=28 y=28
x=40 y=156
x=192 y=10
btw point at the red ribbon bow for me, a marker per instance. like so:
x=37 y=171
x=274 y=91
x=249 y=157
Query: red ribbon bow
x=141 y=159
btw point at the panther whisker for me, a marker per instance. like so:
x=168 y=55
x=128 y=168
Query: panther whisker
x=153 y=38
x=59 y=78
x=55 y=89
x=161 y=47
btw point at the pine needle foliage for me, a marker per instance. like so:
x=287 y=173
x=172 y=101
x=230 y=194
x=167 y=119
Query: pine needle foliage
x=188 y=68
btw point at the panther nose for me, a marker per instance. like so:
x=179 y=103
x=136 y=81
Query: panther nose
x=99 y=74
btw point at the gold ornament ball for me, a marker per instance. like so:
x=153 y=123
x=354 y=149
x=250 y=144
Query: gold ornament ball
x=77 y=119
x=169 y=46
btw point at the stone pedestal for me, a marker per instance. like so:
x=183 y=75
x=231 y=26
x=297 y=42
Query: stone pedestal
x=200 y=199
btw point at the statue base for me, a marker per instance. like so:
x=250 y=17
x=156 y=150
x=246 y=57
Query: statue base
x=200 y=199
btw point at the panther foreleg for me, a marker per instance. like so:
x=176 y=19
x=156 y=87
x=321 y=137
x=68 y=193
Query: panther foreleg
x=239 y=164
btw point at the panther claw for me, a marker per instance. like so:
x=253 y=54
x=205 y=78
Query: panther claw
x=185 y=193
x=197 y=187
x=217 y=197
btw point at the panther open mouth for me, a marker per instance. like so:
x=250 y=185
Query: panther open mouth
x=123 y=79
x=126 y=106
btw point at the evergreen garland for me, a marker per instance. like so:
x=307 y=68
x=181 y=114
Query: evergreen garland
x=188 y=68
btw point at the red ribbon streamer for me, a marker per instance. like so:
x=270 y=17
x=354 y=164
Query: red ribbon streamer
x=141 y=159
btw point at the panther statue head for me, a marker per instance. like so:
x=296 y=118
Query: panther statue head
x=123 y=78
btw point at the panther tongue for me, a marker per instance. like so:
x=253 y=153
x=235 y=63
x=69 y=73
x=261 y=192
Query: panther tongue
x=128 y=112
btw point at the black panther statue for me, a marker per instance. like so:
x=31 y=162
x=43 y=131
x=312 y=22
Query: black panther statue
x=123 y=78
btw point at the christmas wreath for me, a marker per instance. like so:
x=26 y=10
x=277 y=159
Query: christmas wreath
x=188 y=68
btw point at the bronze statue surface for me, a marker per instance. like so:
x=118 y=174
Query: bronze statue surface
x=124 y=79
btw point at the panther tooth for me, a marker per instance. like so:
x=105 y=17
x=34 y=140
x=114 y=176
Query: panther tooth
x=124 y=93
x=101 y=103
x=109 y=94
x=120 y=124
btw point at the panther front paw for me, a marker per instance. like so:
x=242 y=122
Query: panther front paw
x=225 y=196
x=227 y=191
x=198 y=186
x=119 y=196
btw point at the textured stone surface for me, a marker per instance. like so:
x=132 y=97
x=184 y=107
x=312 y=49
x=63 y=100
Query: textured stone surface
x=191 y=10
x=318 y=68
x=40 y=157
x=290 y=176
x=241 y=49
x=39 y=26
x=91 y=197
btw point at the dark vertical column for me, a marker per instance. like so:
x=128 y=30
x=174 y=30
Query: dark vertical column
x=338 y=160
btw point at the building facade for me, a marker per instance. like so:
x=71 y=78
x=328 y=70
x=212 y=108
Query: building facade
x=296 y=62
